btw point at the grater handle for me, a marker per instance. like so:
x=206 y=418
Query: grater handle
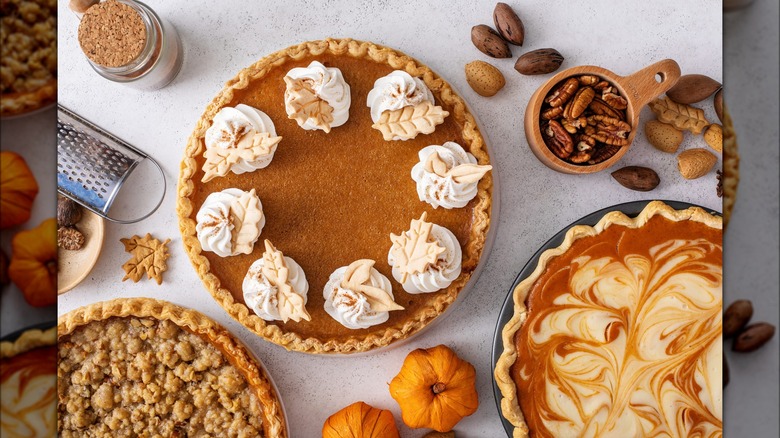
x=156 y=206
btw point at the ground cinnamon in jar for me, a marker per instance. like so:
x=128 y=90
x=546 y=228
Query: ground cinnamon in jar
x=112 y=34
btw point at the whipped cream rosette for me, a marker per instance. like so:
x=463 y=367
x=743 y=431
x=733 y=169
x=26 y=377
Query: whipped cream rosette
x=229 y=222
x=358 y=296
x=241 y=139
x=447 y=175
x=402 y=107
x=425 y=258
x=317 y=97
x=275 y=287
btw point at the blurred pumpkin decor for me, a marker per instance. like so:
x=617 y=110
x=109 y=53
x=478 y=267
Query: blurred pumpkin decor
x=360 y=420
x=18 y=190
x=435 y=389
x=33 y=265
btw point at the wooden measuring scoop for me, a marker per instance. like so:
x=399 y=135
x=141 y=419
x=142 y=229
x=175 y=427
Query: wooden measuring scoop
x=638 y=89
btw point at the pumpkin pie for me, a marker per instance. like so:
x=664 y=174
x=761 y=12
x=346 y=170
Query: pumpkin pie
x=28 y=384
x=617 y=332
x=334 y=146
x=138 y=367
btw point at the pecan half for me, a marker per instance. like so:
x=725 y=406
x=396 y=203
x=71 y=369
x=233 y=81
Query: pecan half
x=613 y=99
x=610 y=130
x=598 y=106
x=563 y=92
x=584 y=150
x=580 y=101
x=589 y=79
x=603 y=153
x=601 y=86
x=558 y=140
x=573 y=125
x=552 y=113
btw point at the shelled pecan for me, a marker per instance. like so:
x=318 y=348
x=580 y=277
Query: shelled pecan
x=558 y=140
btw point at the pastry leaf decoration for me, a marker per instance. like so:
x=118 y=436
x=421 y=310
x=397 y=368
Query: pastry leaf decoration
x=291 y=305
x=245 y=214
x=358 y=279
x=149 y=256
x=307 y=105
x=462 y=173
x=414 y=250
x=407 y=122
x=682 y=117
x=250 y=147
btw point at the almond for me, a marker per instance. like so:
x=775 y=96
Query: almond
x=714 y=137
x=489 y=42
x=718 y=103
x=642 y=179
x=539 y=62
x=508 y=24
x=693 y=88
x=695 y=163
x=662 y=136
x=484 y=78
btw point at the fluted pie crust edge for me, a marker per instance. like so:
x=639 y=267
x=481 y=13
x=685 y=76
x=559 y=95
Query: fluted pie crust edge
x=510 y=406
x=28 y=340
x=198 y=324
x=357 y=49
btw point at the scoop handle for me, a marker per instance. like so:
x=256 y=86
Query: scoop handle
x=650 y=82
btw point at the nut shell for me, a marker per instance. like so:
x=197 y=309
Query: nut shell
x=695 y=163
x=484 y=78
x=753 y=337
x=662 y=136
x=736 y=316
x=642 y=179
x=489 y=42
x=539 y=62
x=693 y=88
x=508 y=24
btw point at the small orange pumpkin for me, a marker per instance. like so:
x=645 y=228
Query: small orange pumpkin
x=18 y=190
x=435 y=389
x=360 y=420
x=33 y=265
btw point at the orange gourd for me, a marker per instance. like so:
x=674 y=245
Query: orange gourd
x=435 y=389
x=33 y=265
x=360 y=420
x=18 y=189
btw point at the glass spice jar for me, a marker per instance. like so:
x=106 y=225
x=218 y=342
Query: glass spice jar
x=158 y=62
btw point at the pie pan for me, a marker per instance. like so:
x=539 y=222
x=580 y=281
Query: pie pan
x=631 y=209
x=638 y=89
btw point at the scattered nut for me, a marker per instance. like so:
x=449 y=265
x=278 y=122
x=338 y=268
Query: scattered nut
x=508 y=24
x=718 y=103
x=70 y=238
x=695 y=163
x=714 y=137
x=753 y=337
x=642 y=179
x=484 y=78
x=736 y=316
x=693 y=88
x=4 y=280
x=489 y=42
x=539 y=62
x=662 y=136
x=68 y=212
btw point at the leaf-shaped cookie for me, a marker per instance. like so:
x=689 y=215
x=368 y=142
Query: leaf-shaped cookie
x=291 y=305
x=250 y=147
x=149 y=256
x=245 y=215
x=407 y=122
x=681 y=116
x=468 y=173
x=357 y=278
x=307 y=105
x=413 y=250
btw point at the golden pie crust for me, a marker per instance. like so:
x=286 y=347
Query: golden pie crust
x=730 y=166
x=144 y=313
x=321 y=244
x=510 y=403
x=28 y=340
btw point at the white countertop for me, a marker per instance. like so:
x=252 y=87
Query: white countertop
x=536 y=202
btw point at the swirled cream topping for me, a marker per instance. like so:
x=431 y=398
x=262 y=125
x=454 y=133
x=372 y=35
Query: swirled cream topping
x=447 y=176
x=234 y=129
x=395 y=91
x=275 y=287
x=229 y=222
x=623 y=336
x=358 y=296
x=28 y=385
x=317 y=97
x=425 y=258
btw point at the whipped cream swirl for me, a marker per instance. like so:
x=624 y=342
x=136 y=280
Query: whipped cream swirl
x=444 y=191
x=230 y=125
x=260 y=294
x=329 y=85
x=395 y=91
x=216 y=223
x=351 y=308
x=436 y=276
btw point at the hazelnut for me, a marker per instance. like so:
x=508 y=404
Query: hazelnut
x=68 y=212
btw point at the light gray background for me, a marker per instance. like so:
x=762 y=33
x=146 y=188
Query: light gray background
x=536 y=202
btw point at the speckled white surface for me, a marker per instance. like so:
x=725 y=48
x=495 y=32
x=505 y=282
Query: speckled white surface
x=536 y=201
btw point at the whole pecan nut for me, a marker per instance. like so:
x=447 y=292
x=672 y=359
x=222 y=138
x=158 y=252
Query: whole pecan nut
x=558 y=140
x=563 y=93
